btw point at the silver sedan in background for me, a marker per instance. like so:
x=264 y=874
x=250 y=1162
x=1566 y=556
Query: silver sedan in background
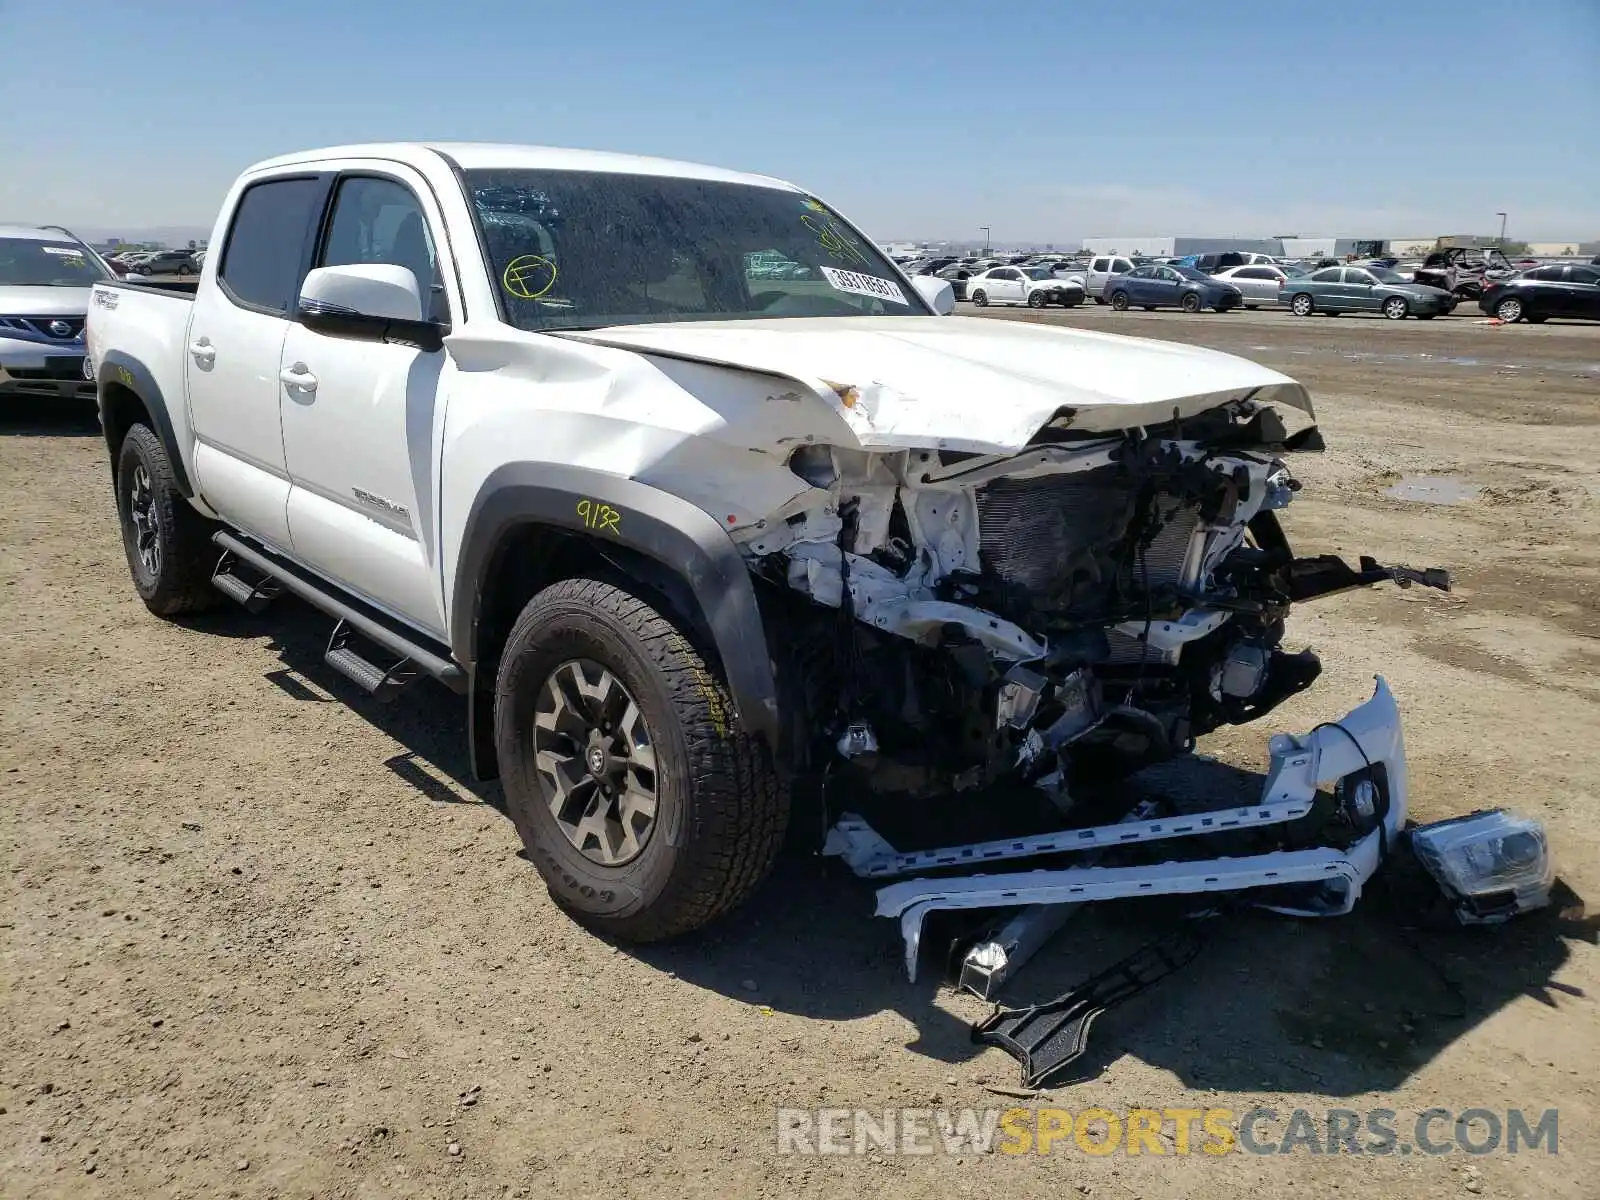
x=1259 y=282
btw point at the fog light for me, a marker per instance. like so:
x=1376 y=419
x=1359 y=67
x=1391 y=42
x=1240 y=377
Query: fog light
x=1492 y=865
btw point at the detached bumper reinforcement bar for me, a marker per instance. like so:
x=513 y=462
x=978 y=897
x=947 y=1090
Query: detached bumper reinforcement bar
x=1369 y=736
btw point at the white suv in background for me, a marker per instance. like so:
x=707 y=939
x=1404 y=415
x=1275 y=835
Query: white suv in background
x=1102 y=269
x=45 y=278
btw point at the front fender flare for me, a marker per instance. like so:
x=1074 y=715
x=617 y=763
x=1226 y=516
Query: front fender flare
x=665 y=528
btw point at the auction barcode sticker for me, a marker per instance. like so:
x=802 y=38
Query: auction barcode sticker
x=864 y=285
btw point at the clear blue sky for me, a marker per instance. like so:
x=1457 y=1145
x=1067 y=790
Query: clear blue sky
x=1045 y=119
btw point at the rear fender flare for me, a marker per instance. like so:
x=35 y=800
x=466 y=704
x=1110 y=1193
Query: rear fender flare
x=118 y=369
x=684 y=540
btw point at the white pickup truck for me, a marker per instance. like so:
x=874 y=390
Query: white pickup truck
x=523 y=420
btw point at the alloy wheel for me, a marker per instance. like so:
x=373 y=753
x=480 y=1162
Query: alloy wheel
x=146 y=520
x=595 y=756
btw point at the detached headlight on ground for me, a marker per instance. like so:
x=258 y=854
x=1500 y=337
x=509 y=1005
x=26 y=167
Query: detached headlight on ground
x=1492 y=865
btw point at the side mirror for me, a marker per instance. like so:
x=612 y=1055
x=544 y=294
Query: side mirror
x=941 y=297
x=373 y=302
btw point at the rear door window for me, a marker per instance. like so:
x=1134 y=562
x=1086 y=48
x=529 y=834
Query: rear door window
x=266 y=246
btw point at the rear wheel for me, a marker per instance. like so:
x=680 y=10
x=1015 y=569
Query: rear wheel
x=168 y=544
x=1191 y=302
x=1302 y=305
x=980 y=298
x=1119 y=301
x=1396 y=308
x=643 y=803
x=1509 y=309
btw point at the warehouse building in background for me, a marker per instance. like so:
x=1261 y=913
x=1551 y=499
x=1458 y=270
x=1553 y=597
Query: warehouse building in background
x=1164 y=245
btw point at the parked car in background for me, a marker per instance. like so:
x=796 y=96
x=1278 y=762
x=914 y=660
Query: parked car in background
x=1463 y=270
x=1259 y=283
x=1033 y=286
x=1570 y=290
x=46 y=276
x=1335 y=290
x=168 y=262
x=956 y=275
x=1103 y=268
x=1171 y=286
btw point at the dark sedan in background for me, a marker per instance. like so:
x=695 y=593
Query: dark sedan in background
x=1335 y=290
x=1571 y=290
x=1157 y=285
x=956 y=275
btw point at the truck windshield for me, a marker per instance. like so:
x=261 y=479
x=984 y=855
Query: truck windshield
x=29 y=262
x=584 y=249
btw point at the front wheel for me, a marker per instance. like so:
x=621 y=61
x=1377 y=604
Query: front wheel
x=1037 y=300
x=1119 y=301
x=168 y=544
x=1191 y=302
x=981 y=299
x=1302 y=305
x=1509 y=310
x=1395 y=308
x=642 y=801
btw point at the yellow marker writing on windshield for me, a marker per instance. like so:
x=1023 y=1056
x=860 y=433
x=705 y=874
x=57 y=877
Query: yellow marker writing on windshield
x=529 y=276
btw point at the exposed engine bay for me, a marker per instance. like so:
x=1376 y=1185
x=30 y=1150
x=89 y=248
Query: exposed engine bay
x=1078 y=610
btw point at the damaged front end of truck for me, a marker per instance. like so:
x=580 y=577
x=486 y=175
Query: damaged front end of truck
x=1043 y=623
x=1047 y=619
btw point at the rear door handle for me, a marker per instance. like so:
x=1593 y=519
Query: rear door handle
x=204 y=352
x=298 y=377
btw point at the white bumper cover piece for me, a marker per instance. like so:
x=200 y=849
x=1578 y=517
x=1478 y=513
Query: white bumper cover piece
x=1369 y=737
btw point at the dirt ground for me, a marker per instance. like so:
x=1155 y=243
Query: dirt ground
x=261 y=938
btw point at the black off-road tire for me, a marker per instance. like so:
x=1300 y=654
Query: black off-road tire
x=721 y=806
x=184 y=554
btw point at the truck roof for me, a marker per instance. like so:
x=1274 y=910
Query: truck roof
x=471 y=155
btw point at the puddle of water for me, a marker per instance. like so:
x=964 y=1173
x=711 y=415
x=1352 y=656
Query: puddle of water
x=1433 y=489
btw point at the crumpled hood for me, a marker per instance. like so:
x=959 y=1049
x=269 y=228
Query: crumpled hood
x=968 y=383
x=43 y=301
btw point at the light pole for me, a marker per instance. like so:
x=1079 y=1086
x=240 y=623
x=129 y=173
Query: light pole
x=986 y=246
x=1502 y=217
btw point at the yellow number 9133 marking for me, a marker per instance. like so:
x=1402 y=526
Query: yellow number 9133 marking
x=602 y=517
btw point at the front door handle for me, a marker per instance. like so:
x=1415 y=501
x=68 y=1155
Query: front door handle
x=204 y=352
x=298 y=377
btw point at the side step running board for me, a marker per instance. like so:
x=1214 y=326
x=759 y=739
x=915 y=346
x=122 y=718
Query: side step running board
x=344 y=658
x=253 y=596
x=413 y=656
